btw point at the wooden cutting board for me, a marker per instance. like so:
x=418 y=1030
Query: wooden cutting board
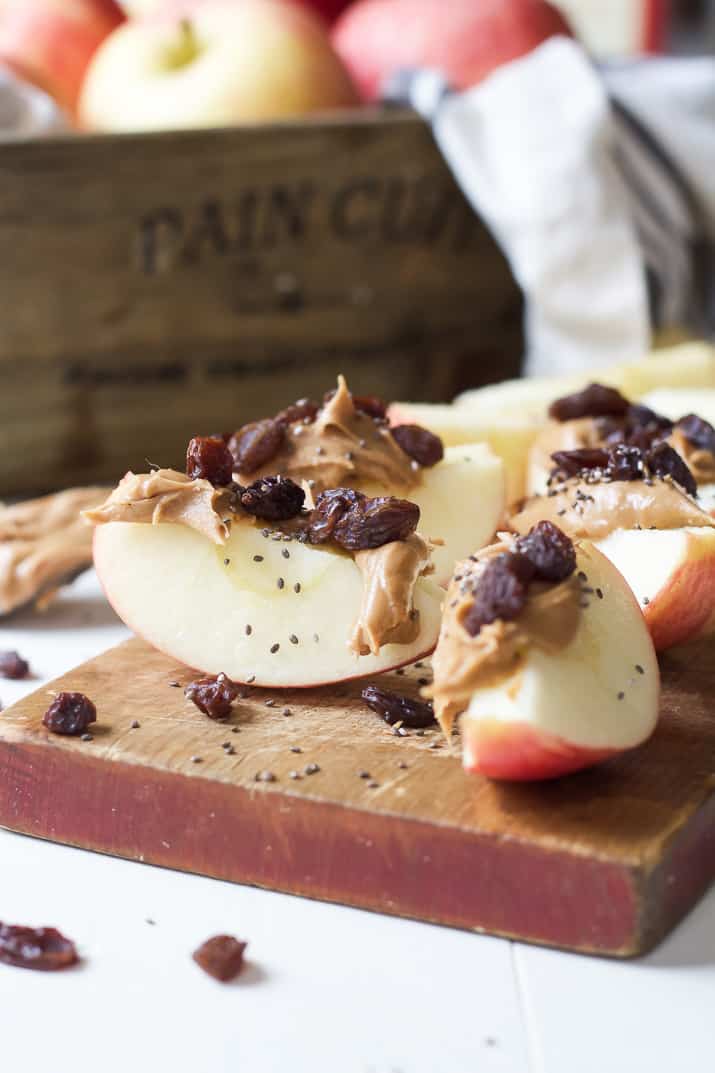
x=605 y=861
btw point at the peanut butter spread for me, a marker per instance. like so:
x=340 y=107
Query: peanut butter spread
x=340 y=449
x=387 y=614
x=166 y=495
x=701 y=463
x=593 y=510
x=390 y=572
x=44 y=543
x=462 y=663
x=562 y=436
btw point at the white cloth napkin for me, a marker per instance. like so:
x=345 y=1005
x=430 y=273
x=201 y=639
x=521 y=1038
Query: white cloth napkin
x=599 y=227
x=25 y=111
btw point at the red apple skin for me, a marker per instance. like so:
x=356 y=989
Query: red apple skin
x=328 y=10
x=465 y=39
x=50 y=42
x=683 y=609
x=519 y=752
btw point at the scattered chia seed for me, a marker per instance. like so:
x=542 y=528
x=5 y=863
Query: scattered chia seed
x=230 y=751
x=270 y=703
x=175 y=685
x=364 y=774
x=287 y=712
x=400 y=670
x=196 y=759
x=276 y=536
x=86 y=737
x=265 y=776
x=296 y=587
x=251 y=678
x=581 y=576
x=285 y=553
x=311 y=769
x=423 y=681
x=226 y=745
x=135 y=724
x=274 y=649
x=599 y=593
x=265 y=533
x=296 y=749
x=294 y=775
x=372 y=785
x=400 y=732
x=419 y=665
x=646 y=601
x=402 y=765
x=621 y=695
x=258 y=558
x=234 y=730
x=436 y=745
x=349 y=455
x=316 y=638
x=293 y=639
x=280 y=583
x=249 y=629
x=639 y=669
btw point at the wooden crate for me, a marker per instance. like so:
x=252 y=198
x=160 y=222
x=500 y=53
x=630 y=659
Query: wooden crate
x=154 y=286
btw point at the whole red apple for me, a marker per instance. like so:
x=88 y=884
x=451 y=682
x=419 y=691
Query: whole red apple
x=50 y=42
x=465 y=39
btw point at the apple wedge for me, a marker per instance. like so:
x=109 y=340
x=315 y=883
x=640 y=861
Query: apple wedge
x=223 y=608
x=461 y=502
x=508 y=437
x=559 y=713
x=672 y=575
x=674 y=402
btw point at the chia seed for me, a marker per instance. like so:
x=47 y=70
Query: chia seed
x=285 y=553
x=639 y=669
x=296 y=587
x=196 y=759
x=296 y=749
x=293 y=639
x=249 y=630
x=311 y=769
x=280 y=583
x=258 y=558
x=265 y=776
x=135 y=724
x=274 y=649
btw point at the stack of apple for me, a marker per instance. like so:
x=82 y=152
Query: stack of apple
x=166 y=64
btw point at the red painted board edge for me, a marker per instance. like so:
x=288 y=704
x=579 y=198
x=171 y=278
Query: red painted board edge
x=266 y=838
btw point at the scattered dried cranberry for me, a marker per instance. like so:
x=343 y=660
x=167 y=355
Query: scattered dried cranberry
x=355 y=522
x=276 y=499
x=663 y=461
x=549 y=550
x=302 y=410
x=44 y=949
x=213 y=695
x=501 y=591
x=571 y=463
x=419 y=443
x=256 y=444
x=221 y=957
x=372 y=405
x=596 y=400
x=395 y=708
x=70 y=713
x=208 y=458
x=12 y=665
x=625 y=463
x=698 y=432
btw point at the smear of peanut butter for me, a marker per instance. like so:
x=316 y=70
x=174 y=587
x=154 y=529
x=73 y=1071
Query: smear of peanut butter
x=463 y=664
x=342 y=448
x=701 y=463
x=166 y=495
x=43 y=543
x=562 y=436
x=595 y=510
x=387 y=613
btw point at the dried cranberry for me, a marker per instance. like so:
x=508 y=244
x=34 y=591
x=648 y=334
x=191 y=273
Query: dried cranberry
x=625 y=463
x=44 y=949
x=372 y=405
x=549 y=550
x=208 y=458
x=12 y=665
x=256 y=444
x=396 y=708
x=302 y=410
x=70 y=713
x=213 y=695
x=571 y=463
x=275 y=499
x=663 y=461
x=355 y=522
x=221 y=957
x=501 y=591
x=596 y=400
x=419 y=443
x=698 y=432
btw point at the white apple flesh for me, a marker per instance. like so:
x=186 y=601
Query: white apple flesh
x=461 y=502
x=558 y=713
x=672 y=575
x=217 y=608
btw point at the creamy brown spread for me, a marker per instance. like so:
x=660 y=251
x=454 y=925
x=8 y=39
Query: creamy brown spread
x=342 y=448
x=583 y=509
x=700 y=463
x=462 y=663
x=44 y=543
x=387 y=614
x=390 y=573
x=562 y=436
x=166 y=495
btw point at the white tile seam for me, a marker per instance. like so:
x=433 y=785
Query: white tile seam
x=534 y=1051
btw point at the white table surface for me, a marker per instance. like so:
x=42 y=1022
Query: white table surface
x=327 y=989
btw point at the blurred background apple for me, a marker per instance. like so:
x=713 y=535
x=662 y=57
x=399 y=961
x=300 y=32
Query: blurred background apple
x=225 y=62
x=328 y=9
x=50 y=42
x=465 y=39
